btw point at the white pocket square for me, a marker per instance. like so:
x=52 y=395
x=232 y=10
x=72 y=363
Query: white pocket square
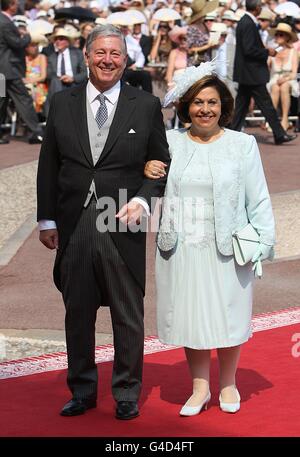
x=131 y=131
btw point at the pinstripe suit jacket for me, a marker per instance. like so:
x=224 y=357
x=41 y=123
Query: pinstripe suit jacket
x=66 y=167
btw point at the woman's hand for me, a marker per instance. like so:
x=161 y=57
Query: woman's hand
x=282 y=80
x=155 y=169
x=264 y=251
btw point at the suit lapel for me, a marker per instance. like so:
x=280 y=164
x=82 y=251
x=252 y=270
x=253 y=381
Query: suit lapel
x=79 y=114
x=125 y=107
x=73 y=60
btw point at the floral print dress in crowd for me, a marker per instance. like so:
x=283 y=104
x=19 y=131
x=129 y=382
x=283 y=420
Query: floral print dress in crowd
x=197 y=38
x=38 y=90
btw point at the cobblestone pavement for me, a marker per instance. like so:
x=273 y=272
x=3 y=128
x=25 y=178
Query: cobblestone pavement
x=18 y=201
x=18 y=197
x=18 y=185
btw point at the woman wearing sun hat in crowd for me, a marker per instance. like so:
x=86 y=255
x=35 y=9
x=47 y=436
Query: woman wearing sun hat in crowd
x=177 y=60
x=36 y=72
x=198 y=42
x=216 y=185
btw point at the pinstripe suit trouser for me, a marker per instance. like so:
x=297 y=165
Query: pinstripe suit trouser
x=93 y=274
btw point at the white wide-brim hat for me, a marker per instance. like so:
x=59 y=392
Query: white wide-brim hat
x=219 y=27
x=136 y=16
x=38 y=38
x=166 y=15
x=119 y=18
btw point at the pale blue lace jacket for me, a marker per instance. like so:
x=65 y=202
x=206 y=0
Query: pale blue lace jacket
x=239 y=188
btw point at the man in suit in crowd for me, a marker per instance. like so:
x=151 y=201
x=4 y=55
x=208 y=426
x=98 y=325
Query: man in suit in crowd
x=144 y=41
x=97 y=140
x=66 y=67
x=252 y=73
x=13 y=67
x=134 y=73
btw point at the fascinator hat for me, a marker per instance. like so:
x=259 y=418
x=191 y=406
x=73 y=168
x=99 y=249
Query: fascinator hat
x=185 y=80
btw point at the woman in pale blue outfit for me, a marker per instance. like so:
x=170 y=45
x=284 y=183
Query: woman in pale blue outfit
x=216 y=185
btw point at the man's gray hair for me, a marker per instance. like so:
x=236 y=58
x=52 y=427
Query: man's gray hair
x=105 y=30
x=251 y=5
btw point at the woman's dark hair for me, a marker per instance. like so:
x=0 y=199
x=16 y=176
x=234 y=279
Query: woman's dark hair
x=227 y=101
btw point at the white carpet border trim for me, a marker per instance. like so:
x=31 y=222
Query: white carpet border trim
x=58 y=361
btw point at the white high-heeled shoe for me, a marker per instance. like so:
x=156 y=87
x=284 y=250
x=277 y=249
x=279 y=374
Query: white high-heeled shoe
x=230 y=407
x=194 y=410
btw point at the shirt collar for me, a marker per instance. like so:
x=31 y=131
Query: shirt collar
x=7 y=14
x=111 y=94
x=252 y=17
x=65 y=51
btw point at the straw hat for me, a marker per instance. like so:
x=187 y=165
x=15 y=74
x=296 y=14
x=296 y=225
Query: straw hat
x=286 y=28
x=176 y=32
x=267 y=15
x=100 y=21
x=72 y=31
x=230 y=16
x=211 y=16
x=38 y=38
x=61 y=32
x=136 y=16
x=219 y=27
x=202 y=7
x=120 y=18
x=239 y=13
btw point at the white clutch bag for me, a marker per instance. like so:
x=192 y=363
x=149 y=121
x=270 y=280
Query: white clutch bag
x=245 y=244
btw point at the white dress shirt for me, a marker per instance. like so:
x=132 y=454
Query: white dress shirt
x=112 y=96
x=221 y=61
x=68 y=65
x=134 y=51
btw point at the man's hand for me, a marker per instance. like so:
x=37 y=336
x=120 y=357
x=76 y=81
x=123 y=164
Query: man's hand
x=131 y=213
x=66 y=79
x=272 y=52
x=49 y=238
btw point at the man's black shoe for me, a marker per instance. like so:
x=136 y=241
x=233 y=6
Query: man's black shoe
x=75 y=407
x=127 y=410
x=4 y=141
x=35 y=139
x=285 y=139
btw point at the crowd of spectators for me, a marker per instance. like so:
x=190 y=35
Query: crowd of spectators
x=163 y=37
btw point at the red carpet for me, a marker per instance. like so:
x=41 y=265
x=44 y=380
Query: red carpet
x=268 y=379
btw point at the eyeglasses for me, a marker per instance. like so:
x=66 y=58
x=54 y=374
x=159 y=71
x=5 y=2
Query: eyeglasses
x=281 y=34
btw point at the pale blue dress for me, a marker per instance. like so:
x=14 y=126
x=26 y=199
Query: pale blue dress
x=204 y=299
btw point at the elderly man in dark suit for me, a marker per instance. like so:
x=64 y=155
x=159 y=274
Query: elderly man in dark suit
x=66 y=67
x=12 y=66
x=97 y=141
x=252 y=73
